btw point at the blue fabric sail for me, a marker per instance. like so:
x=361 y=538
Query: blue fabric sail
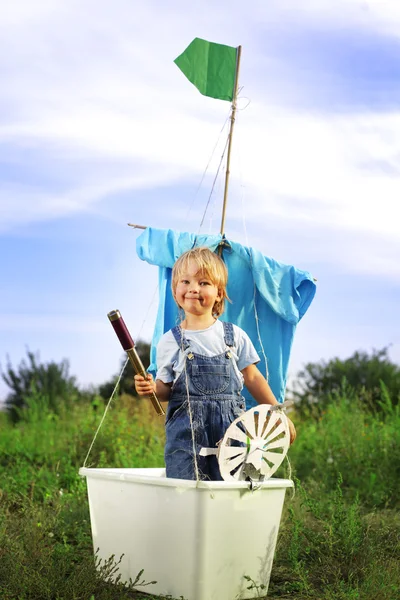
x=260 y=288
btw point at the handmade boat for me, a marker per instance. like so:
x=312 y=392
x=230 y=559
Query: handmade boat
x=208 y=540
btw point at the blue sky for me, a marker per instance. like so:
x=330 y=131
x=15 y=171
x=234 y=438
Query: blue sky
x=99 y=128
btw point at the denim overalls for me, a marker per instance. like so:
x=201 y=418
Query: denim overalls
x=214 y=387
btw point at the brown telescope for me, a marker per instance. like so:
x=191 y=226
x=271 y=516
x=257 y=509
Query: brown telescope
x=127 y=343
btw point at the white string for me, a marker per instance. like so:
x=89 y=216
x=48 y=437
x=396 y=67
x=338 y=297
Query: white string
x=196 y=466
x=212 y=207
x=290 y=477
x=244 y=214
x=283 y=407
x=259 y=333
x=106 y=409
x=256 y=317
x=206 y=169
x=120 y=376
x=147 y=313
x=242 y=187
x=213 y=185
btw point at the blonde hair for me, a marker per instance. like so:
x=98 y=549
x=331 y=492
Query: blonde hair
x=209 y=265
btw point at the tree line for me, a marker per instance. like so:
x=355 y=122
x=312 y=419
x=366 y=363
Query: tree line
x=369 y=376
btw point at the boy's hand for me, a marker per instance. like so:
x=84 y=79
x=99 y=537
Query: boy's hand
x=144 y=387
x=292 y=431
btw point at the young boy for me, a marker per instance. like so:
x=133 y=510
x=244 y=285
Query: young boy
x=202 y=366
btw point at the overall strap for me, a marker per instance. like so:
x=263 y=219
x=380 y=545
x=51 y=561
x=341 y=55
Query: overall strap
x=228 y=334
x=180 y=338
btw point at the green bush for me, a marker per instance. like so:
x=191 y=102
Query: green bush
x=51 y=383
x=318 y=384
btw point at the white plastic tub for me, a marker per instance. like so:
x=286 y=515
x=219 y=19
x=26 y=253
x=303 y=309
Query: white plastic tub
x=196 y=540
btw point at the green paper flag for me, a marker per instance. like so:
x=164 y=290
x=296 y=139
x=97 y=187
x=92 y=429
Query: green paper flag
x=210 y=67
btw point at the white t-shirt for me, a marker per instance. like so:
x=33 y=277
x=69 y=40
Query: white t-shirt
x=208 y=342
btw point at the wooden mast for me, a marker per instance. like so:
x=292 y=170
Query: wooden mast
x=228 y=158
x=233 y=117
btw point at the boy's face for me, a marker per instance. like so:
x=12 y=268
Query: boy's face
x=196 y=293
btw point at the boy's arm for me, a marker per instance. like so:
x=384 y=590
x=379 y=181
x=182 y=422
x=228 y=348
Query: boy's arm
x=163 y=390
x=259 y=388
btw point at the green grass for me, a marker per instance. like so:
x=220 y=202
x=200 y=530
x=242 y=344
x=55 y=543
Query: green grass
x=362 y=446
x=339 y=537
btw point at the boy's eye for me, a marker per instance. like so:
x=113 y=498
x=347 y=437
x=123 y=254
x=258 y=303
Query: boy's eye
x=185 y=281
x=205 y=283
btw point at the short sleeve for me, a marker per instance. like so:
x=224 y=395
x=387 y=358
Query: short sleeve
x=167 y=357
x=247 y=354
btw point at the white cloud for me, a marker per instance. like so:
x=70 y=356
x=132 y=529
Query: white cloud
x=95 y=81
x=316 y=162
x=381 y=15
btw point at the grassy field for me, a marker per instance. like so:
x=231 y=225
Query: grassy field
x=339 y=537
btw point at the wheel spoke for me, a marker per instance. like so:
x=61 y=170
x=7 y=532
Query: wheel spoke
x=272 y=419
x=278 y=444
x=272 y=457
x=234 y=462
x=232 y=451
x=280 y=429
x=249 y=424
x=235 y=433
